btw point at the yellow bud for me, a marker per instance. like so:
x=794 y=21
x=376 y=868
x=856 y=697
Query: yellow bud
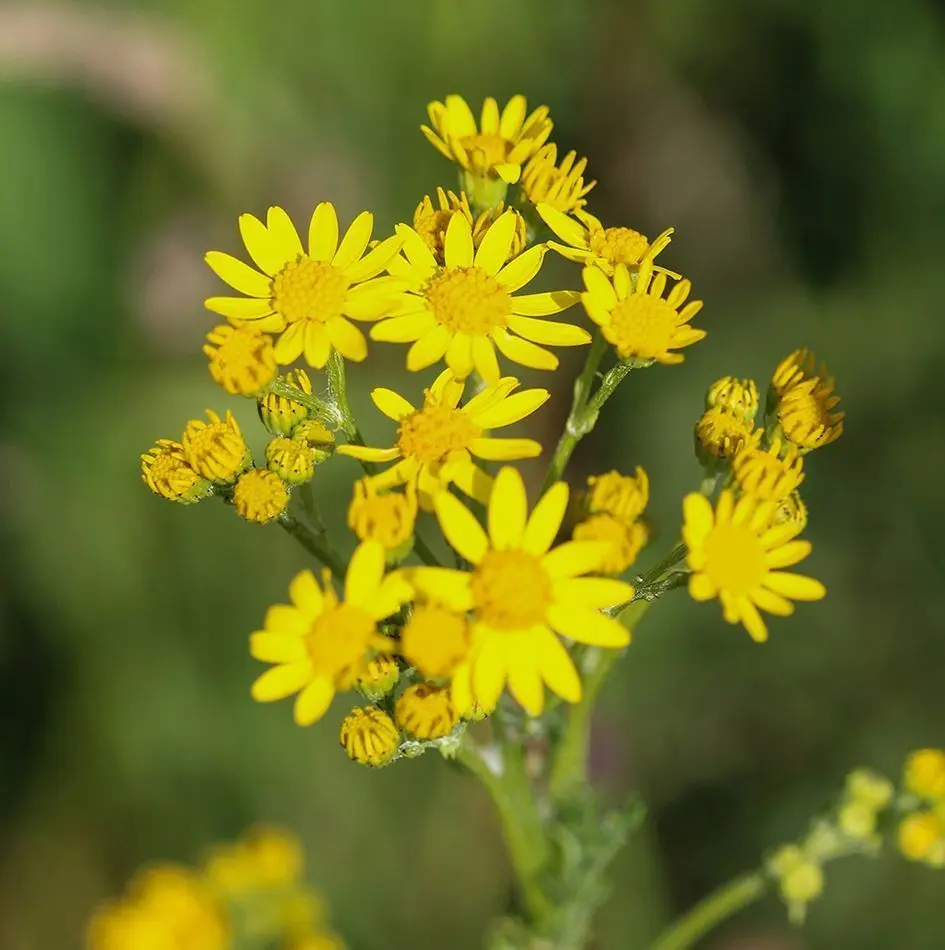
x=870 y=788
x=626 y=540
x=925 y=773
x=623 y=496
x=380 y=676
x=165 y=471
x=425 y=711
x=290 y=459
x=737 y=396
x=858 y=820
x=279 y=414
x=242 y=359
x=319 y=438
x=215 y=449
x=719 y=435
x=369 y=736
x=920 y=836
x=260 y=496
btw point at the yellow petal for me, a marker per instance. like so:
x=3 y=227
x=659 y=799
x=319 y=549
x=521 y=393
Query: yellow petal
x=756 y=627
x=323 y=232
x=773 y=603
x=525 y=683
x=513 y=115
x=548 y=331
x=290 y=621
x=459 y=116
x=306 y=594
x=364 y=574
x=458 y=242
x=459 y=352
x=392 y=404
x=404 y=329
x=523 y=352
x=701 y=587
x=570 y=231
x=444 y=586
x=697 y=520
x=575 y=557
x=460 y=527
x=347 y=339
x=436 y=142
x=239 y=308
x=376 y=259
x=283 y=234
x=290 y=344
x=484 y=359
x=418 y=253
x=599 y=287
x=509 y=172
x=365 y=453
x=393 y=593
x=432 y=346
x=276 y=647
x=512 y=409
x=313 y=702
x=594 y=592
x=489 y=123
x=281 y=681
x=787 y=554
x=317 y=343
x=795 y=586
x=545 y=520
x=504 y=450
x=588 y=626
x=238 y=275
x=263 y=249
x=489 y=672
x=508 y=509
x=522 y=269
x=472 y=481
x=557 y=667
x=495 y=246
x=355 y=241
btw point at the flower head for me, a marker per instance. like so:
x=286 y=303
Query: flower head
x=494 y=148
x=431 y=221
x=791 y=515
x=803 y=400
x=800 y=879
x=267 y=858
x=734 y=554
x=215 y=449
x=738 y=396
x=436 y=442
x=518 y=591
x=369 y=736
x=765 y=472
x=307 y=296
x=165 y=471
x=635 y=317
x=321 y=644
x=425 y=711
x=318 y=437
x=560 y=187
x=925 y=774
x=379 y=677
x=467 y=308
x=625 y=540
x=922 y=838
x=489 y=217
x=587 y=241
x=281 y=415
x=623 y=496
x=720 y=434
x=290 y=459
x=242 y=359
x=384 y=516
x=435 y=641
x=260 y=495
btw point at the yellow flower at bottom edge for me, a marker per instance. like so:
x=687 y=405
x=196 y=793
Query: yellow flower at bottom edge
x=735 y=552
x=635 y=317
x=467 y=309
x=369 y=736
x=436 y=443
x=519 y=590
x=321 y=645
x=307 y=294
x=425 y=711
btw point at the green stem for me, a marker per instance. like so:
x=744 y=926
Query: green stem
x=711 y=911
x=316 y=545
x=338 y=392
x=423 y=551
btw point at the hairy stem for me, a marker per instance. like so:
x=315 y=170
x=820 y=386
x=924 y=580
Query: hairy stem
x=316 y=545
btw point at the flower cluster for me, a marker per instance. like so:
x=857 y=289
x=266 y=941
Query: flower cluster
x=247 y=893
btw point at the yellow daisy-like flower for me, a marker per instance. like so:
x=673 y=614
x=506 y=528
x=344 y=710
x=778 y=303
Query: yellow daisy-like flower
x=804 y=401
x=435 y=641
x=260 y=495
x=625 y=540
x=467 y=308
x=924 y=773
x=765 y=473
x=165 y=471
x=498 y=145
x=215 y=449
x=436 y=443
x=587 y=241
x=720 y=435
x=320 y=644
x=430 y=221
x=488 y=218
x=290 y=459
x=635 y=317
x=425 y=711
x=735 y=553
x=738 y=396
x=922 y=838
x=369 y=736
x=560 y=187
x=623 y=496
x=519 y=590
x=308 y=297
x=384 y=516
x=242 y=359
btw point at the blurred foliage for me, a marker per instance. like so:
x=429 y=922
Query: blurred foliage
x=799 y=148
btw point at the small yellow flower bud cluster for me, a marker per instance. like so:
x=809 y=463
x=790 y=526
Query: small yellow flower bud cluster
x=615 y=505
x=384 y=516
x=801 y=402
x=922 y=829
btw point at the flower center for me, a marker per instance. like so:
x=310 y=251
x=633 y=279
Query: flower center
x=338 y=641
x=642 y=325
x=307 y=289
x=435 y=641
x=431 y=433
x=468 y=300
x=260 y=495
x=511 y=590
x=735 y=559
x=488 y=149
x=216 y=450
x=618 y=245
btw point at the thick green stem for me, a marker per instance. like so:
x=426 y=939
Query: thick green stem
x=316 y=545
x=338 y=392
x=711 y=911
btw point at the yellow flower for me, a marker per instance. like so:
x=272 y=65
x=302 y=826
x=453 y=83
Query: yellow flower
x=215 y=449
x=165 y=471
x=435 y=443
x=804 y=401
x=720 y=434
x=319 y=439
x=625 y=540
x=735 y=553
x=519 y=589
x=738 y=396
x=467 y=308
x=379 y=677
x=800 y=879
x=290 y=459
x=497 y=146
x=489 y=217
x=925 y=773
x=424 y=711
x=587 y=241
x=268 y=858
x=792 y=514
x=635 y=317
x=623 y=496
x=317 y=941
x=858 y=819
x=281 y=415
x=765 y=473
x=430 y=221
x=320 y=644
x=369 y=736
x=560 y=187
x=922 y=838
x=308 y=297
x=384 y=516
x=435 y=641
x=242 y=359
x=868 y=787
x=260 y=495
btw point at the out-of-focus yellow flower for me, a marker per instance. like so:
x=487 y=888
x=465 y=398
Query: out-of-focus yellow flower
x=378 y=677
x=560 y=187
x=320 y=644
x=281 y=415
x=767 y=473
x=242 y=359
x=791 y=513
x=424 y=711
x=735 y=552
x=518 y=590
x=496 y=147
x=800 y=879
x=384 y=516
x=869 y=787
x=466 y=309
x=290 y=459
x=866 y=794
x=922 y=838
x=215 y=449
x=435 y=641
x=308 y=296
x=369 y=736
x=165 y=471
x=260 y=495
x=804 y=402
x=317 y=941
x=623 y=496
x=720 y=435
x=436 y=443
x=267 y=858
x=587 y=241
x=738 y=396
x=925 y=773
x=635 y=317
x=625 y=540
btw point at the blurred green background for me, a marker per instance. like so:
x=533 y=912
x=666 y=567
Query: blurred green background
x=798 y=148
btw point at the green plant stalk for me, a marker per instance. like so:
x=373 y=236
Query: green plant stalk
x=338 y=392
x=711 y=911
x=316 y=545
x=423 y=551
